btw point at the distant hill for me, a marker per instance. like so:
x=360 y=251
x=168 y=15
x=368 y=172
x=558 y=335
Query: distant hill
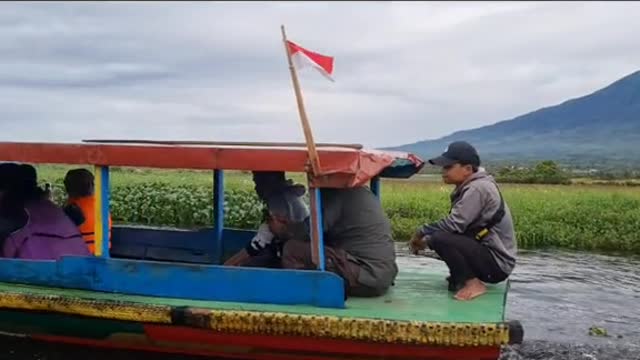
x=600 y=130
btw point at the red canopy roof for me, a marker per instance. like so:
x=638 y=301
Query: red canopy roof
x=341 y=166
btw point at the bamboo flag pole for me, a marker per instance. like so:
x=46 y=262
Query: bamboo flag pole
x=313 y=154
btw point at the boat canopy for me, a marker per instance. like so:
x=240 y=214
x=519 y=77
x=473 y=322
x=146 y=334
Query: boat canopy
x=341 y=166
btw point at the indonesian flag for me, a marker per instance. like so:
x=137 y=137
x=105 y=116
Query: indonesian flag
x=302 y=58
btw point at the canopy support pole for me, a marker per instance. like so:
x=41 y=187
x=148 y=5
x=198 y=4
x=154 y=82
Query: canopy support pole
x=375 y=186
x=101 y=230
x=317 y=231
x=218 y=212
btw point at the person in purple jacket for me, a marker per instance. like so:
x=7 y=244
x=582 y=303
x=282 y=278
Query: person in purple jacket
x=31 y=226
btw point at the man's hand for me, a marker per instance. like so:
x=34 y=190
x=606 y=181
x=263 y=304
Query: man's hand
x=418 y=243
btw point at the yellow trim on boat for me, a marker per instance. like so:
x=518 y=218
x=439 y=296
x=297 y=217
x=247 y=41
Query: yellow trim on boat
x=85 y=307
x=271 y=323
x=375 y=330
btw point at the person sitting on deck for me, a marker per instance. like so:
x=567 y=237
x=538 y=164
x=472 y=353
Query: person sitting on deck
x=80 y=205
x=264 y=249
x=33 y=227
x=358 y=242
x=477 y=239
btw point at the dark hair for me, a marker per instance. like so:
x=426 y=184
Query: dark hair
x=8 y=173
x=474 y=167
x=268 y=182
x=20 y=182
x=79 y=183
x=28 y=187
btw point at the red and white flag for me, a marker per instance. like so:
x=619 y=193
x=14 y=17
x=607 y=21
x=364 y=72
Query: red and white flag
x=302 y=58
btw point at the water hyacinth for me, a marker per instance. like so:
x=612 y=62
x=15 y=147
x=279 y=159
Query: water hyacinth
x=576 y=217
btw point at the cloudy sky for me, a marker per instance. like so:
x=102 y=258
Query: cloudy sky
x=217 y=71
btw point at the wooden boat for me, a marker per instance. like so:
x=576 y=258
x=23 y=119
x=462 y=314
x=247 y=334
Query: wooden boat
x=166 y=290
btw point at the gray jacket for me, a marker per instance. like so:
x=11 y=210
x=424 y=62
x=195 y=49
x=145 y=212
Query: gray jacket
x=473 y=204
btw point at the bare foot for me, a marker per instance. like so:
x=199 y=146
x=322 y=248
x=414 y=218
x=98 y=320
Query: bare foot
x=472 y=288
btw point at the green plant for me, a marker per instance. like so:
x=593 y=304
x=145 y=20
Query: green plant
x=588 y=217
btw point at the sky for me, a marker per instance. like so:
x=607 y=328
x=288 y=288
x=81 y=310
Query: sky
x=217 y=71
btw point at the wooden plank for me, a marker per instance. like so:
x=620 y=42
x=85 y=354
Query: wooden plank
x=192 y=246
x=222 y=143
x=182 y=281
x=329 y=348
x=211 y=158
x=221 y=350
x=342 y=167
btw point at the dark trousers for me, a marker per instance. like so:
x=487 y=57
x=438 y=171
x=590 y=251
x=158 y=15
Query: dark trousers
x=297 y=255
x=269 y=257
x=466 y=258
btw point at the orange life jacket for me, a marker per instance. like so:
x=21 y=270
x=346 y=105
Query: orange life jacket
x=87 y=228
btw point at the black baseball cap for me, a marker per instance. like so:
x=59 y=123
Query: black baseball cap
x=271 y=182
x=457 y=152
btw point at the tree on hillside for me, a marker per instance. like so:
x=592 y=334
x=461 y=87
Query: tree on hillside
x=545 y=172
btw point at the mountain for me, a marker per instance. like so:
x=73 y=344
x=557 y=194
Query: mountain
x=600 y=130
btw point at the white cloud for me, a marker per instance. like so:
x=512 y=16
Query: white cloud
x=405 y=71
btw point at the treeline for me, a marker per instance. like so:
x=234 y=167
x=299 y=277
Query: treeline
x=545 y=172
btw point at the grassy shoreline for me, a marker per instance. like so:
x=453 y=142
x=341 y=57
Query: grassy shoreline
x=579 y=216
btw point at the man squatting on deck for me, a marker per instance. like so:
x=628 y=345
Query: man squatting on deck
x=476 y=240
x=357 y=234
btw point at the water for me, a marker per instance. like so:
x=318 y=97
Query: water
x=559 y=295
x=556 y=295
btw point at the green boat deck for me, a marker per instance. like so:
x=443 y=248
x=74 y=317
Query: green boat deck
x=420 y=294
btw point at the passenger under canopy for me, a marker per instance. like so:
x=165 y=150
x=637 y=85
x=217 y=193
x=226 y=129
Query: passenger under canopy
x=175 y=263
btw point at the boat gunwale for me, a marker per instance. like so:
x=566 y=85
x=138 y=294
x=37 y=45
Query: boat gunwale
x=273 y=323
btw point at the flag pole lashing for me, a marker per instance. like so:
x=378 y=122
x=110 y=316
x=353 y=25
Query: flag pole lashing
x=306 y=128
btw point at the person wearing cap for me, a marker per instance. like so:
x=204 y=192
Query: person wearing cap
x=359 y=245
x=357 y=234
x=477 y=239
x=265 y=249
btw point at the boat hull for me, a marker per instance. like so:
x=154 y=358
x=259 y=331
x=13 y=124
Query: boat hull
x=94 y=332
x=416 y=319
